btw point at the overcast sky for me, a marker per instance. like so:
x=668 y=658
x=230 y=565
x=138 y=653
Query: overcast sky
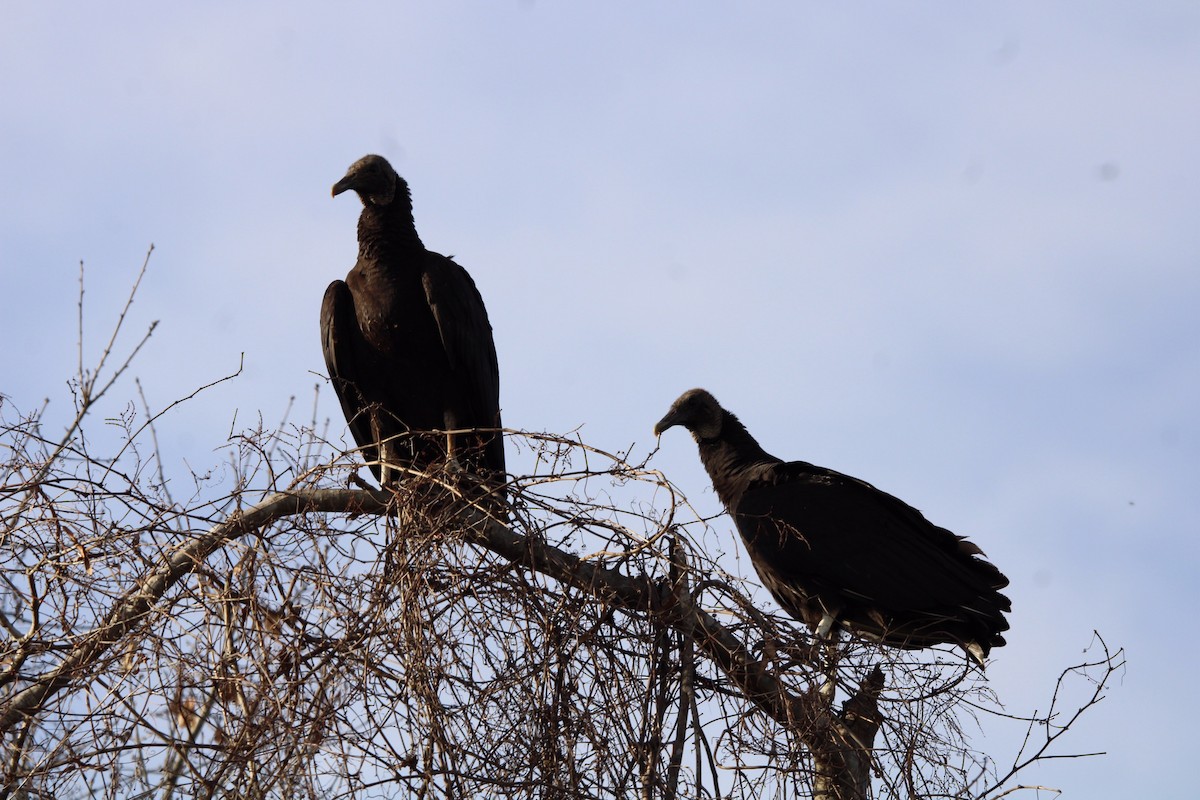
x=953 y=249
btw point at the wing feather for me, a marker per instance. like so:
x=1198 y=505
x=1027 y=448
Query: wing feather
x=466 y=335
x=341 y=342
x=838 y=533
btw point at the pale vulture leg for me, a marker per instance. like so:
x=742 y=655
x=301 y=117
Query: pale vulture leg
x=828 y=637
x=390 y=455
x=452 y=463
x=387 y=462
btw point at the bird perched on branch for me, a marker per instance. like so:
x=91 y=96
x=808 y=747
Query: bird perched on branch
x=407 y=341
x=836 y=551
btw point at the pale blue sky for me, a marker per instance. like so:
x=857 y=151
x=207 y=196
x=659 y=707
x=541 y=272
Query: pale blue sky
x=952 y=249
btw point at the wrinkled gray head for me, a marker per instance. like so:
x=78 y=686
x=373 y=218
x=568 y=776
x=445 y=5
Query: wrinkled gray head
x=696 y=410
x=375 y=181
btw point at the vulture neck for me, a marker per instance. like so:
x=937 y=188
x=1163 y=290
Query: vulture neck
x=387 y=234
x=733 y=459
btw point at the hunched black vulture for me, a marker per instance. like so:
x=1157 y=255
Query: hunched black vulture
x=407 y=341
x=834 y=550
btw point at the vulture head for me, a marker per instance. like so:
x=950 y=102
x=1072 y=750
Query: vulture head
x=374 y=179
x=696 y=410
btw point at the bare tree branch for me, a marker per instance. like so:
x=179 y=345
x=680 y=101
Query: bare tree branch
x=297 y=640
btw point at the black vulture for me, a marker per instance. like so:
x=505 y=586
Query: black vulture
x=407 y=341
x=834 y=550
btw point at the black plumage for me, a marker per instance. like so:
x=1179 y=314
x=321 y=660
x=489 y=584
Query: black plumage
x=834 y=550
x=407 y=341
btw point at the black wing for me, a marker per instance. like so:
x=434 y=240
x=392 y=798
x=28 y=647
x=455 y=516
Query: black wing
x=838 y=534
x=342 y=343
x=466 y=333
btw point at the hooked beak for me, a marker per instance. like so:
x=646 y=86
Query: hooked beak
x=669 y=421
x=343 y=185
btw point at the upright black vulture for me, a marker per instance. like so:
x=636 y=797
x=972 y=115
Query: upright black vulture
x=407 y=340
x=835 y=550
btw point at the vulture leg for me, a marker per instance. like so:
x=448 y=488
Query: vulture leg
x=388 y=458
x=830 y=659
x=826 y=625
x=827 y=637
x=451 y=423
